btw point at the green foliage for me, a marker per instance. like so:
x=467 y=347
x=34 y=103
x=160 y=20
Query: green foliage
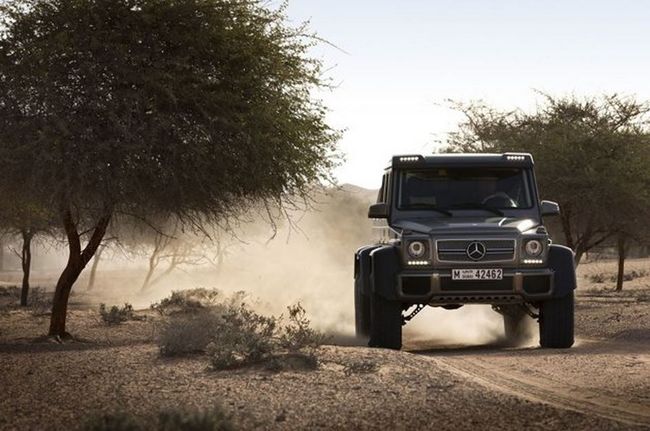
x=155 y=107
x=591 y=155
x=195 y=110
x=116 y=315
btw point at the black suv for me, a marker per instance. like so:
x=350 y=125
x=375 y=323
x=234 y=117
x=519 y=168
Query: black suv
x=457 y=229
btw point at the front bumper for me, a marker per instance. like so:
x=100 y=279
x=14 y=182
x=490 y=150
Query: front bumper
x=436 y=287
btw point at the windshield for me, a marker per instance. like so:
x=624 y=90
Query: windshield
x=464 y=188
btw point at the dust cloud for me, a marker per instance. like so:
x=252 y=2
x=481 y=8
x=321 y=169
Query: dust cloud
x=310 y=263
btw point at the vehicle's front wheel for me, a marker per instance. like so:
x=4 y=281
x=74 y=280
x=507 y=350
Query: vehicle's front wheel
x=385 y=323
x=556 y=322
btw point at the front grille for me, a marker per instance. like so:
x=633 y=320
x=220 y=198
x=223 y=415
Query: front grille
x=449 y=285
x=496 y=250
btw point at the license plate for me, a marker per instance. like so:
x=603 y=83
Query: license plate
x=476 y=274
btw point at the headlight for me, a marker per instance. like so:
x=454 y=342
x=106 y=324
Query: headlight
x=534 y=247
x=416 y=249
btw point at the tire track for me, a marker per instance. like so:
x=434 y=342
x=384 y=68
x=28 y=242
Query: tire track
x=536 y=388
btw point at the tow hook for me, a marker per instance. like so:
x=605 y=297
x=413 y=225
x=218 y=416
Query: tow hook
x=412 y=314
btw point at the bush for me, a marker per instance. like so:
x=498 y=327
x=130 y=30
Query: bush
x=116 y=315
x=113 y=422
x=170 y=420
x=39 y=301
x=211 y=420
x=183 y=334
x=243 y=337
x=628 y=276
x=233 y=335
x=187 y=301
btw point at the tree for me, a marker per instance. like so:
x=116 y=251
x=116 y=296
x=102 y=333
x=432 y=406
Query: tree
x=27 y=222
x=172 y=249
x=195 y=109
x=591 y=156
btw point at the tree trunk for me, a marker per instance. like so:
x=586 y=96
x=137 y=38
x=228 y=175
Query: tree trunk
x=26 y=261
x=77 y=261
x=93 y=269
x=154 y=261
x=2 y=256
x=620 y=245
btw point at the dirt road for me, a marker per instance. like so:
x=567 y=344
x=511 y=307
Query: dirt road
x=602 y=383
x=597 y=377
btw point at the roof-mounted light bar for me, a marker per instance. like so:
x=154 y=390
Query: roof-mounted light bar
x=517 y=157
x=407 y=159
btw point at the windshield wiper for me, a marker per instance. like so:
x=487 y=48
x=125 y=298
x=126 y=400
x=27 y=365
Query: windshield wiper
x=430 y=207
x=477 y=206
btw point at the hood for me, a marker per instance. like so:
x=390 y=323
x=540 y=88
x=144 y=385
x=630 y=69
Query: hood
x=470 y=225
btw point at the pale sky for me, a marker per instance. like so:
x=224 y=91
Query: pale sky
x=402 y=60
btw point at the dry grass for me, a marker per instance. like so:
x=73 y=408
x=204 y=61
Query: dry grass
x=601 y=274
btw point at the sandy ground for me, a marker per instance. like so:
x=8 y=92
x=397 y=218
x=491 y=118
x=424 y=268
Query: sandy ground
x=601 y=383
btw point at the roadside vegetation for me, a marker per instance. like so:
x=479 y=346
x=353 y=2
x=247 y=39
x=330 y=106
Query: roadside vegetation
x=232 y=335
x=592 y=156
x=214 y=419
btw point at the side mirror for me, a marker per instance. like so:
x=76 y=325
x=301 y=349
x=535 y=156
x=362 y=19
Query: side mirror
x=379 y=210
x=550 y=208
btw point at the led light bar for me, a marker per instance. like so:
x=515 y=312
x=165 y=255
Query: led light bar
x=409 y=159
x=516 y=157
x=533 y=261
x=418 y=262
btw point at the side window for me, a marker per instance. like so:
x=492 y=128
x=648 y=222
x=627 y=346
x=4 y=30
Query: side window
x=381 y=195
x=387 y=187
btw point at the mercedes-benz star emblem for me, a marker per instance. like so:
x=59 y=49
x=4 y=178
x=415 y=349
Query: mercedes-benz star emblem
x=475 y=250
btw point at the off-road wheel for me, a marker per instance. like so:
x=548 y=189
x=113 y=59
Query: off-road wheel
x=385 y=323
x=515 y=323
x=361 y=313
x=556 y=322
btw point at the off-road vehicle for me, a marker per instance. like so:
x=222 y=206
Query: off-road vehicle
x=458 y=229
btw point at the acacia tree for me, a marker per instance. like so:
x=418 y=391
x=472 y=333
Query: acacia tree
x=194 y=109
x=26 y=222
x=169 y=251
x=591 y=156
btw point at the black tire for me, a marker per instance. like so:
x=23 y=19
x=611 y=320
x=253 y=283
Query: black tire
x=515 y=325
x=556 y=322
x=361 y=313
x=385 y=323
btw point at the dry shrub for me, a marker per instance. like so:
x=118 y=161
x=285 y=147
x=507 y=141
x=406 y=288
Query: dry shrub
x=233 y=335
x=113 y=422
x=39 y=300
x=360 y=367
x=214 y=419
x=189 y=333
x=211 y=420
x=116 y=315
x=601 y=277
x=191 y=300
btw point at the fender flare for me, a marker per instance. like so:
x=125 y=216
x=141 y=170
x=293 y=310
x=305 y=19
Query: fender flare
x=362 y=269
x=561 y=261
x=384 y=268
